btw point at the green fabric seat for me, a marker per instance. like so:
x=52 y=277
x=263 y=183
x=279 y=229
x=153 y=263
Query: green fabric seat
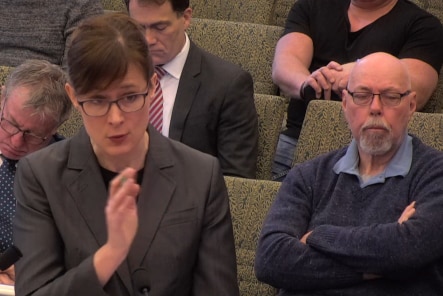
x=280 y=12
x=4 y=72
x=270 y=110
x=250 y=11
x=249 y=202
x=114 y=5
x=251 y=46
x=71 y=126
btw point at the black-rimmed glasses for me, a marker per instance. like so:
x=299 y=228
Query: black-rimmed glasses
x=100 y=107
x=12 y=129
x=389 y=99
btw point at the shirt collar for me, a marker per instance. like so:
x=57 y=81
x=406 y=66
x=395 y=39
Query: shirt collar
x=399 y=165
x=175 y=66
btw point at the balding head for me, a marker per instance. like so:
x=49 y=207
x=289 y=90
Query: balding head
x=378 y=103
x=381 y=69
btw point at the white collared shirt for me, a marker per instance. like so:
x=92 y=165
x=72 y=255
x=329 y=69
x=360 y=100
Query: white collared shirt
x=169 y=84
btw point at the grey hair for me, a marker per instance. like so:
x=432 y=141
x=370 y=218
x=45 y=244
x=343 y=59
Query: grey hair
x=46 y=82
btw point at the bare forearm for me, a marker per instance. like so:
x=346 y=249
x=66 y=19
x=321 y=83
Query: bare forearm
x=293 y=55
x=289 y=74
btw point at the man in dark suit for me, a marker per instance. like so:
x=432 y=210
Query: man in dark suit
x=208 y=103
x=34 y=104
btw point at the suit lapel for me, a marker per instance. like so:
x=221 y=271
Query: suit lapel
x=156 y=192
x=87 y=187
x=188 y=87
x=90 y=194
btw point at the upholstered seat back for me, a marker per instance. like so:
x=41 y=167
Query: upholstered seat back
x=4 y=72
x=250 y=201
x=71 y=126
x=324 y=129
x=113 y=5
x=250 y=11
x=251 y=46
x=280 y=11
x=270 y=110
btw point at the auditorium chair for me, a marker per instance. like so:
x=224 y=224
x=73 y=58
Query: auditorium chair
x=280 y=12
x=4 y=72
x=249 y=11
x=249 y=202
x=270 y=110
x=71 y=126
x=114 y=5
x=248 y=45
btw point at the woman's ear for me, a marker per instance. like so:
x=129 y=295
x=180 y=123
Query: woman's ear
x=71 y=94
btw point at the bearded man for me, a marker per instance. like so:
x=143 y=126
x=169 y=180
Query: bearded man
x=365 y=219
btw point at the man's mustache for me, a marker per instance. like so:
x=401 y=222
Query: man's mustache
x=376 y=124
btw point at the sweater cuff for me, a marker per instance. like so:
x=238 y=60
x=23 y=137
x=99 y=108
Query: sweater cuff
x=324 y=238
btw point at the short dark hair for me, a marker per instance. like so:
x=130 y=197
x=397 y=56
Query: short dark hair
x=101 y=50
x=178 y=6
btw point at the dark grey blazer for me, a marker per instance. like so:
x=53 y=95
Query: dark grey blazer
x=184 y=241
x=214 y=112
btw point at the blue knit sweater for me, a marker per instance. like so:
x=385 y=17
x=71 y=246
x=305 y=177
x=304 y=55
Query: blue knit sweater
x=355 y=231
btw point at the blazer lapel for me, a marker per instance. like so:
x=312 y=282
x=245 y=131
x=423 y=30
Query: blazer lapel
x=187 y=90
x=156 y=191
x=90 y=194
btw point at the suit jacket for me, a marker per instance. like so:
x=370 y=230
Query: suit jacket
x=214 y=112
x=184 y=241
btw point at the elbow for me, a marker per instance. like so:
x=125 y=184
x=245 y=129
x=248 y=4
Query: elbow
x=275 y=74
x=263 y=267
x=422 y=99
x=260 y=271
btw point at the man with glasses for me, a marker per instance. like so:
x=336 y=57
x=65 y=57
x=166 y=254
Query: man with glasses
x=322 y=40
x=33 y=105
x=365 y=219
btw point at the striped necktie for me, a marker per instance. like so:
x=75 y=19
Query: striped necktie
x=7 y=202
x=156 y=109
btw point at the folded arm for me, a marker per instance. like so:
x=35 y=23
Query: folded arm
x=282 y=260
x=390 y=249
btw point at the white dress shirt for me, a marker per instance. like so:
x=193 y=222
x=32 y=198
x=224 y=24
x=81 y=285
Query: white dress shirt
x=169 y=84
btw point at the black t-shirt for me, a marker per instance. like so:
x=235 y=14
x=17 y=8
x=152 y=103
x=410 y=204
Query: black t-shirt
x=406 y=31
